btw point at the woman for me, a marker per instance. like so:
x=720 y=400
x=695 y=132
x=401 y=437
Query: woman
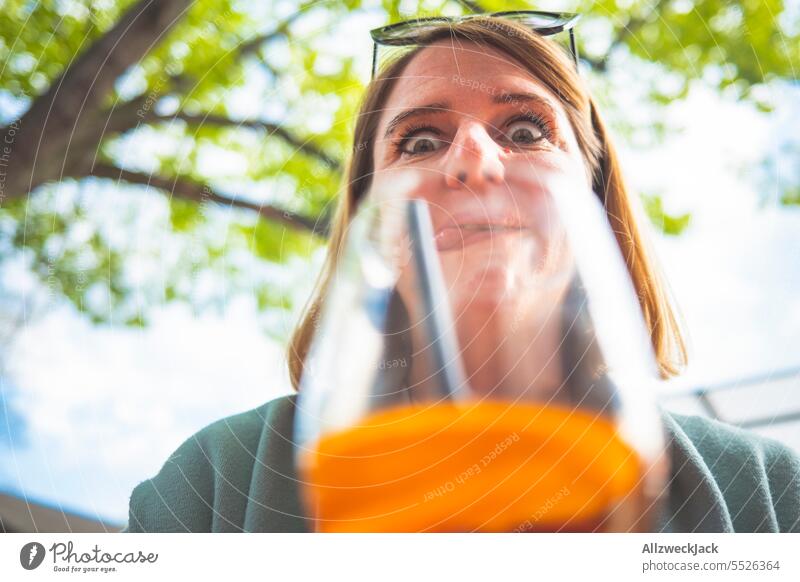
x=238 y=474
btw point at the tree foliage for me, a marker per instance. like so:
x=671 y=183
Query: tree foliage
x=161 y=150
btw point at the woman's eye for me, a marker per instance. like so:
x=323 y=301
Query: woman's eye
x=420 y=143
x=525 y=132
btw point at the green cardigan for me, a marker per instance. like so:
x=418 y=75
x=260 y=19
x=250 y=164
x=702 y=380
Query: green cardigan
x=237 y=474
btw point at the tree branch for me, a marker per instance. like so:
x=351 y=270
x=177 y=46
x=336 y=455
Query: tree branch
x=139 y=110
x=190 y=190
x=598 y=64
x=43 y=141
x=304 y=146
x=251 y=46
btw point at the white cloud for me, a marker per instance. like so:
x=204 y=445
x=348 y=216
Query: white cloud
x=105 y=407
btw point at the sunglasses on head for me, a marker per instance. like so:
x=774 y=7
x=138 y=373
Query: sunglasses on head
x=409 y=32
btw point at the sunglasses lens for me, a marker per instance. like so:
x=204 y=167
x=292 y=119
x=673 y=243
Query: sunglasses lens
x=411 y=31
x=405 y=32
x=542 y=23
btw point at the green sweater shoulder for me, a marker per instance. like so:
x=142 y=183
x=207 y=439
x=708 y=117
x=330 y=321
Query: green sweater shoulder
x=238 y=474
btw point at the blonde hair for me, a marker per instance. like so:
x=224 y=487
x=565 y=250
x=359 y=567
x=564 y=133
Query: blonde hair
x=549 y=63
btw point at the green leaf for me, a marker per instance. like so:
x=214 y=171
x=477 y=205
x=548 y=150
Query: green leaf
x=672 y=225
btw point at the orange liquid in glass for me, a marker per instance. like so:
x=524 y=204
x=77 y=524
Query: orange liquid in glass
x=490 y=466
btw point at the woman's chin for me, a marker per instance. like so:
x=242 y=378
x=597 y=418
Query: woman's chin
x=490 y=288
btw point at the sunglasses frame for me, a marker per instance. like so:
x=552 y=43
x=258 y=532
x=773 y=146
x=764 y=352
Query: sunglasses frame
x=380 y=36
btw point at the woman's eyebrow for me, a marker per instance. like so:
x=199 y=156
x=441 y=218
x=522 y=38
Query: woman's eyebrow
x=429 y=109
x=516 y=98
x=445 y=106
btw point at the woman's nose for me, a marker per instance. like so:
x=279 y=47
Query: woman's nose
x=473 y=159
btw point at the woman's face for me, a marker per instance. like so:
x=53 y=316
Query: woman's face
x=484 y=136
x=487 y=142
x=474 y=102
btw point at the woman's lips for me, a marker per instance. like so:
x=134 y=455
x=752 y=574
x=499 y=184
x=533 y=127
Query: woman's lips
x=461 y=235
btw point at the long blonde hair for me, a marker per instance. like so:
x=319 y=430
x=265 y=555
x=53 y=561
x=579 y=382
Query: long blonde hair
x=549 y=63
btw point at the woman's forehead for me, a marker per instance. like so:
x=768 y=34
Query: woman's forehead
x=464 y=74
x=455 y=55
